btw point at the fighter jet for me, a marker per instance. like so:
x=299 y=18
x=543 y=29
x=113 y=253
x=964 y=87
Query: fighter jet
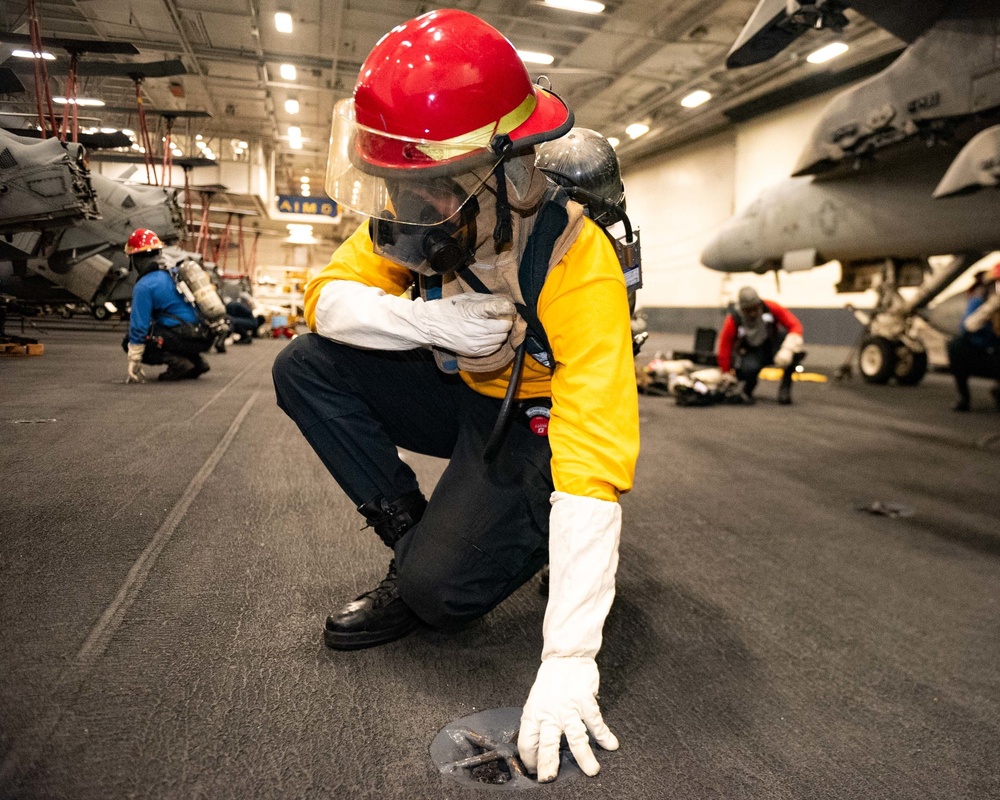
x=63 y=228
x=880 y=186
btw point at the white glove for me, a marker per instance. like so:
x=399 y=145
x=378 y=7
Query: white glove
x=365 y=316
x=583 y=557
x=136 y=374
x=978 y=318
x=790 y=345
x=726 y=380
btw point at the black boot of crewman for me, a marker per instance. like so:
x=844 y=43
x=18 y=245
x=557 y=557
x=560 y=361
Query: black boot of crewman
x=380 y=615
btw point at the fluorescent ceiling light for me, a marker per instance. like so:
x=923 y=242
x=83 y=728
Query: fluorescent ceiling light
x=696 y=98
x=613 y=141
x=292 y=105
x=581 y=6
x=636 y=129
x=295 y=144
x=300 y=234
x=304 y=179
x=287 y=72
x=80 y=101
x=294 y=132
x=529 y=57
x=832 y=50
x=283 y=22
x=32 y=54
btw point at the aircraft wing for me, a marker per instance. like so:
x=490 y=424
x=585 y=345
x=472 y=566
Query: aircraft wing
x=775 y=24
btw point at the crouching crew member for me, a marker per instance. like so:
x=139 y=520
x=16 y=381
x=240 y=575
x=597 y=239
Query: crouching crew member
x=757 y=334
x=975 y=351
x=164 y=328
x=445 y=170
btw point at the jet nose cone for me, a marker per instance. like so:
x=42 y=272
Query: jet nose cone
x=712 y=255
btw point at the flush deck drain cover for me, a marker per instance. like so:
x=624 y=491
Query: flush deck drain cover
x=882 y=508
x=481 y=750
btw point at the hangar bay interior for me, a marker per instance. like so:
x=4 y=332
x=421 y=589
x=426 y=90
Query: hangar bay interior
x=807 y=595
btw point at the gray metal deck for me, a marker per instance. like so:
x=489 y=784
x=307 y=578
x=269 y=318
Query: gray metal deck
x=169 y=553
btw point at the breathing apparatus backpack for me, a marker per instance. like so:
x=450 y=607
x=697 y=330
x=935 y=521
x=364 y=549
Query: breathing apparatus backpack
x=585 y=169
x=195 y=286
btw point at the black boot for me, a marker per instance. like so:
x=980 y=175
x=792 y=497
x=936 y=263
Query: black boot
x=785 y=387
x=200 y=368
x=178 y=368
x=380 y=615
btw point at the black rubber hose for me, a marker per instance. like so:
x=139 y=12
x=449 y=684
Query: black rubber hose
x=503 y=418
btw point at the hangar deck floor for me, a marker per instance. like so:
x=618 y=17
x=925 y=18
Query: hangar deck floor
x=169 y=553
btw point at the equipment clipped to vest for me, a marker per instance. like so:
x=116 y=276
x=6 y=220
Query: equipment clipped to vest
x=197 y=288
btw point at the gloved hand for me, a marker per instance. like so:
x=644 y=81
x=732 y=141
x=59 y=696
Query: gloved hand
x=467 y=324
x=563 y=699
x=790 y=345
x=583 y=557
x=136 y=374
x=365 y=316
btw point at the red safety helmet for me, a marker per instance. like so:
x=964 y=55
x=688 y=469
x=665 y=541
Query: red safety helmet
x=430 y=98
x=142 y=241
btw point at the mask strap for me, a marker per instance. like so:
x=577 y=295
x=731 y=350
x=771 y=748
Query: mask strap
x=503 y=230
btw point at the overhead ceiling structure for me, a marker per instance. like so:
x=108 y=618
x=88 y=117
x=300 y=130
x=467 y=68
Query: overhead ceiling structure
x=632 y=64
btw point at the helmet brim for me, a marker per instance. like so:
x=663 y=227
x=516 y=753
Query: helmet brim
x=550 y=120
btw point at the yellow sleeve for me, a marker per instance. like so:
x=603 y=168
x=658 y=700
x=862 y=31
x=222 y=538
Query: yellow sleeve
x=355 y=260
x=594 y=429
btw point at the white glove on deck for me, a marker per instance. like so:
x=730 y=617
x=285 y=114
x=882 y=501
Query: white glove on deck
x=365 y=316
x=136 y=374
x=583 y=557
x=790 y=345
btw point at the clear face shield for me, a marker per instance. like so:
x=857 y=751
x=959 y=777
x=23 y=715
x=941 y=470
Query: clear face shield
x=420 y=195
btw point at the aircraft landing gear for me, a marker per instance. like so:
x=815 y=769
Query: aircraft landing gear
x=881 y=359
x=911 y=365
x=877 y=359
x=890 y=347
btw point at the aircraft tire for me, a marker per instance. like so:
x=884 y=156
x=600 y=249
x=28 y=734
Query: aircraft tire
x=100 y=312
x=911 y=366
x=877 y=359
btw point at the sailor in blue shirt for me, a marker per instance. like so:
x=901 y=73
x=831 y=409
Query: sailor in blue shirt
x=976 y=349
x=164 y=327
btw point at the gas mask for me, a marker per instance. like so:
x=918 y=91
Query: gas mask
x=146 y=262
x=428 y=227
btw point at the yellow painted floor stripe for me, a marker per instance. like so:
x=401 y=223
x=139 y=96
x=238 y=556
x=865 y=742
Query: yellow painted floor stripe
x=774 y=374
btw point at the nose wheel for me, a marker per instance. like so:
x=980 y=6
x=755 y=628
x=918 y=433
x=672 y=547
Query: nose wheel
x=881 y=359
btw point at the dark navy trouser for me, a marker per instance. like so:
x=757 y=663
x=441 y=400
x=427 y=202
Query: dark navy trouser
x=966 y=360
x=485 y=530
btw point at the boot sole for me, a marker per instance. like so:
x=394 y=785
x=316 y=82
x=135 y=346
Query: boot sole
x=342 y=640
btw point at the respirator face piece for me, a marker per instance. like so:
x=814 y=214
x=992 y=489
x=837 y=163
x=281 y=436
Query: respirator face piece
x=146 y=262
x=429 y=228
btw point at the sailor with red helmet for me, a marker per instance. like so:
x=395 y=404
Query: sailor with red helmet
x=163 y=325
x=422 y=341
